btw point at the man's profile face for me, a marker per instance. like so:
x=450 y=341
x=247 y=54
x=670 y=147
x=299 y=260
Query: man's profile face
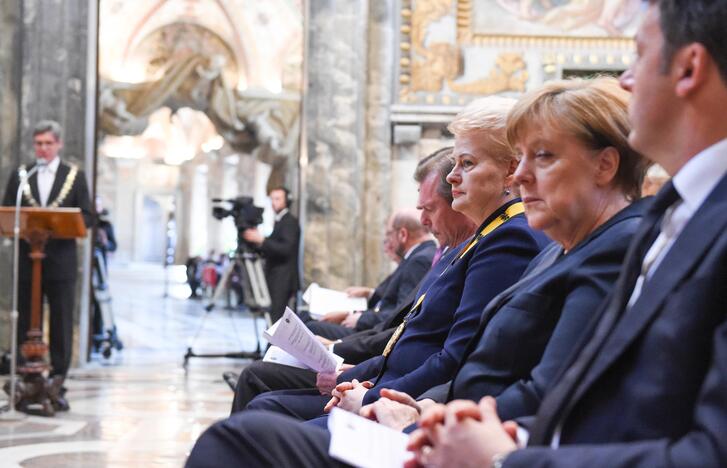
x=653 y=105
x=46 y=146
x=436 y=214
x=277 y=199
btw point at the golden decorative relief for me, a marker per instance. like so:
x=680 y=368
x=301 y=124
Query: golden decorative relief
x=442 y=62
x=509 y=74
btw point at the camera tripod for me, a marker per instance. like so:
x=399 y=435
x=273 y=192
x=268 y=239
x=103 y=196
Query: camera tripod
x=256 y=298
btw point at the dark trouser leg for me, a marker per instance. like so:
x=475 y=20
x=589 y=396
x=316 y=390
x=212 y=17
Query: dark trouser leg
x=299 y=404
x=278 y=301
x=61 y=299
x=332 y=331
x=261 y=377
x=256 y=439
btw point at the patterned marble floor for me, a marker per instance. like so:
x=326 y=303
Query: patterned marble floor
x=140 y=407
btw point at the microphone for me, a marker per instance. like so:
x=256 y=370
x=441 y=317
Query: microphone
x=24 y=175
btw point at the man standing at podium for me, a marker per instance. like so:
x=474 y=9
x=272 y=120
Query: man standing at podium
x=55 y=185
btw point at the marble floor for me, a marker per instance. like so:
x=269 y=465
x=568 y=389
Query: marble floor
x=140 y=407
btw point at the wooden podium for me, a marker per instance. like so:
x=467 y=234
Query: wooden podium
x=37 y=225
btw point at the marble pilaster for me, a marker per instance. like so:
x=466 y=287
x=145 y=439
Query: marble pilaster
x=378 y=164
x=336 y=127
x=43 y=74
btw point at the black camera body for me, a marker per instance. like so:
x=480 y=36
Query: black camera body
x=242 y=210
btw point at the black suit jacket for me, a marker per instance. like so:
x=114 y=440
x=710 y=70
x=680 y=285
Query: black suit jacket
x=656 y=392
x=281 y=257
x=399 y=285
x=529 y=330
x=60 y=263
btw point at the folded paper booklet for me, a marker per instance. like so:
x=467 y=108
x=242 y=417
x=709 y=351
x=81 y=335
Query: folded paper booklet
x=366 y=444
x=322 y=301
x=292 y=337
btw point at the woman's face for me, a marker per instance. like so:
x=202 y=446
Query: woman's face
x=559 y=179
x=478 y=180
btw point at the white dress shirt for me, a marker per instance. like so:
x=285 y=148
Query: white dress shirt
x=46 y=177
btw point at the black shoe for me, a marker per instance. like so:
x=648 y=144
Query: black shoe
x=231 y=379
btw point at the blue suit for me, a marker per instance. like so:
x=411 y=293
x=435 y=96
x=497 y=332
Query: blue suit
x=651 y=390
x=529 y=330
x=436 y=335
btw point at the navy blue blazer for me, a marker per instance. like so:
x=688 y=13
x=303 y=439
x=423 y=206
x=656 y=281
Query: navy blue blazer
x=656 y=392
x=399 y=285
x=434 y=340
x=528 y=331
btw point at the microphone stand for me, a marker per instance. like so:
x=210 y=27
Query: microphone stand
x=12 y=414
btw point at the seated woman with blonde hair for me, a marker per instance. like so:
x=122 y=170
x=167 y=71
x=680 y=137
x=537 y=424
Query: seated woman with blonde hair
x=578 y=178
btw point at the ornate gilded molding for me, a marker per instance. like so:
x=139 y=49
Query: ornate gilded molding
x=467 y=36
x=509 y=74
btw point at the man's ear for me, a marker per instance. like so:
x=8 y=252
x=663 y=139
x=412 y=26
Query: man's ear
x=608 y=162
x=691 y=65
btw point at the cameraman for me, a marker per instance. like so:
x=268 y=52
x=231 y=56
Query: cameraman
x=280 y=250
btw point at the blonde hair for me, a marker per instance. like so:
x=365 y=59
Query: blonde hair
x=593 y=111
x=487 y=116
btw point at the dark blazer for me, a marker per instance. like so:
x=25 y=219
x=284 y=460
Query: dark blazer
x=366 y=344
x=61 y=261
x=399 y=285
x=434 y=339
x=280 y=250
x=655 y=392
x=529 y=330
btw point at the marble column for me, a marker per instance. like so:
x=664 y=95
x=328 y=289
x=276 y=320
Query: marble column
x=345 y=181
x=10 y=30
x=378 y=165
x=43 y=74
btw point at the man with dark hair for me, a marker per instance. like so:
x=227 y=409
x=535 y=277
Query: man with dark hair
x=449 y=227
x=648 y=387
x=55 y=185
x=280 y=250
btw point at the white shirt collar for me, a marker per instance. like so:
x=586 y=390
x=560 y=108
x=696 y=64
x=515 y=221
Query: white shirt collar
x=52 y=166
x=698 y=177
x=279 y=216
x=411 y=249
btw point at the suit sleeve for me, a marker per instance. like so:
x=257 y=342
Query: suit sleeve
x=494 y=266
x=83 y=200
x=357 y=348
x=704 y=445
x=283 y=242
x=586 y=287
x=11 y=189
x=438 y=393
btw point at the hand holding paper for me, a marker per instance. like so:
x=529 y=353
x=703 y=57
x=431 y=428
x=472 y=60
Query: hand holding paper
x=292 y=336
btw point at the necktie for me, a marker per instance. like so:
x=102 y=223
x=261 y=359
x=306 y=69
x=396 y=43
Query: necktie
x=438 y=254
x=551 y=411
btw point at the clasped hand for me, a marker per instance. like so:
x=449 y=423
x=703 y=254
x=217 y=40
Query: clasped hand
x=348 y=396
x=461 y=433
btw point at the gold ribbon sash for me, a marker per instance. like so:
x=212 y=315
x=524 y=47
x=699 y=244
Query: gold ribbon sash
x=511 y=211
x=65 y=189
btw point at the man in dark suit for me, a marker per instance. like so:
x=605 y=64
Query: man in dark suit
x=648 y=385
x=406 y=239
x=280 y=250
x=55 y=185
x=448 y=226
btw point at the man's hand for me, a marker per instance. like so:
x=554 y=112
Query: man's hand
x=348 y=396
x=334 y=317
x=324 y=341
x=391 y=413
x=461 y=434
x=326 y=381
x=351 y=320
x=253 y=236
x=359 y=291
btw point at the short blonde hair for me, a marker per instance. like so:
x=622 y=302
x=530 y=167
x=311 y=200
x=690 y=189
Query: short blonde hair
x=487 y=116
x=594 y=111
